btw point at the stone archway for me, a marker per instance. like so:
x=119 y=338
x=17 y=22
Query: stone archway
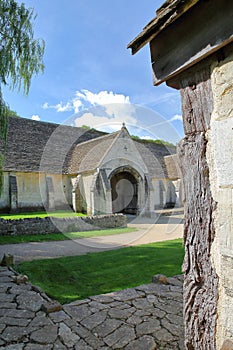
x=124 y=189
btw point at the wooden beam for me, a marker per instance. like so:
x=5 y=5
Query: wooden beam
x=200 y=32
x=165 y=15
x=200 y=277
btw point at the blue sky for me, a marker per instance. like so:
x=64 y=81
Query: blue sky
x=90 y=77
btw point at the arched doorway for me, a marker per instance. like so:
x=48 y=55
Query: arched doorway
x=124 y=187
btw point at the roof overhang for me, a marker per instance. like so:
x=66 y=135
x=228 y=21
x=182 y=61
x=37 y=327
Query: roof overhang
x=169 y=12
x=183 y=33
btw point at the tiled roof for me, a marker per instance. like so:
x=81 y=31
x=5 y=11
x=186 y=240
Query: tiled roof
x=38 y=146
x=87 y=156
x=172 y=167
x=153 y=155
x=27 y=140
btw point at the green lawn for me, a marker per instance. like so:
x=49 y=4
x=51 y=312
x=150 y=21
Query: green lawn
x=71 y=278
x=61 y=236
x=42 y=214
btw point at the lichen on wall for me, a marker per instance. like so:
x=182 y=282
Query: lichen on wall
x=220 y=160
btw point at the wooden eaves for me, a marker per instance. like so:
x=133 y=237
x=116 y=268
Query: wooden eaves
x=183 y=33
x=165 y=15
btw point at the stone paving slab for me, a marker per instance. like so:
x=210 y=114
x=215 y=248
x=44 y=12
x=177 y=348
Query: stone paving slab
x=147 y=317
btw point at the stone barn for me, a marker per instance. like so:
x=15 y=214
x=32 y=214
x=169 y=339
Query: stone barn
x=58 y=167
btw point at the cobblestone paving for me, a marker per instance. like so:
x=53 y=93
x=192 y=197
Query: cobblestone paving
x=147 y=317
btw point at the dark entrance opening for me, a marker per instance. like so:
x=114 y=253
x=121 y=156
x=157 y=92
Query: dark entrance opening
x=124 y=193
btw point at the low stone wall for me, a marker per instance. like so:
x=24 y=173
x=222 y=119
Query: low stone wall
x=34 y=226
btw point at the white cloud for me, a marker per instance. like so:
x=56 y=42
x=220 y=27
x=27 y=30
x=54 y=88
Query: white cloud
x=77 y=105
x=147 y=137
x=35 y=117
x=91 y=120
x=45 y=105
x=176 y=117
x=86 y=97
x=107 y=111
x=64 y=108
x=116 y=109
x=60 y=107
x=112 y=119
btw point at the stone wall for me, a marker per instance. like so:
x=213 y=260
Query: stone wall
x=34 y=226
x=220 y=159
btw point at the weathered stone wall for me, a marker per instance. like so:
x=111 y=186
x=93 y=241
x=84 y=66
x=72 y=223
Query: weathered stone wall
x=5 y=198
x=28 y=190
x=48 y=225
x=32 y=192
x=220 y=159
x=85 y=193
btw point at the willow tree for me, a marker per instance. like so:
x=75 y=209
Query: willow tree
x=21 y=56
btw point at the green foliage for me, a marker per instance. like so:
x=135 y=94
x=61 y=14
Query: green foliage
x=21 y=56
x=158 y=142
x=11 y=113
x=70 y=278
x=3 y=132
x=3 y=118
x=86 y=127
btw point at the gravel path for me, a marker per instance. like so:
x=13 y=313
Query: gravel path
x=166 y=228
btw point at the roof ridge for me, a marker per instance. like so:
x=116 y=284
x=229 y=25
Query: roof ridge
x=39 y=122
x=34 y=121
x=97 y=139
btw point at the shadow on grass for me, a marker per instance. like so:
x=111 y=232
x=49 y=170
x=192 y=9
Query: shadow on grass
x=71 y=278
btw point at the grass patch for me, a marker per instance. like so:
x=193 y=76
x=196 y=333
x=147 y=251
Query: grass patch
x=71 y=278
x=41 y=214
x=62 y=237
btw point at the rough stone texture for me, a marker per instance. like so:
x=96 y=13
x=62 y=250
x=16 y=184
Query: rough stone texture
x=227 y=345
x=147 y=317
x=220 y=158
x=56 y=225
x=144 y=343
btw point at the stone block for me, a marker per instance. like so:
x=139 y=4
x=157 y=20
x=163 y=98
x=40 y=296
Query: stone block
x=45 y=335
x=52 y=306
x=7 y=260
x=227 y=345
x=160 y=279
x=20 y=279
